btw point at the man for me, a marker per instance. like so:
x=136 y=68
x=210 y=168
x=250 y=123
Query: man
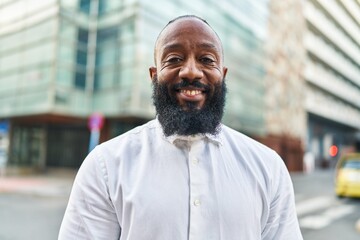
x=183 y=175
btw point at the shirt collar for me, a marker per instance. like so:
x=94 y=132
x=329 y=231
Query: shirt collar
x=191 y=138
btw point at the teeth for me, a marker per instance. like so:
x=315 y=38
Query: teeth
x=191 y=92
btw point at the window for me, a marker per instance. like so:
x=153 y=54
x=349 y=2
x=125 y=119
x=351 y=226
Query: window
x=107 y=36
x=84 y=6
x=80 y=80
x=83 y=37
x=108 y=5
x=81 y=59
x=107 y=54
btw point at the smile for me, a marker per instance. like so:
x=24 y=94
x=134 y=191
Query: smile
x=190 y=92
x=191 y=95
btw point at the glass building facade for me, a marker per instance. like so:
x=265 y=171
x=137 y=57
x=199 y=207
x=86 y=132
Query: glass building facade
x=62 y=60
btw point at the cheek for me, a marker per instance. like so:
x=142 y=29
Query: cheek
x=214 y=77
x=168 y=75
x=214 y=82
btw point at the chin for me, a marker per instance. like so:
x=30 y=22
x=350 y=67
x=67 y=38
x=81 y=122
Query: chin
x=191 y=106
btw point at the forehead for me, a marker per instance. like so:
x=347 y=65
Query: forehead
x=190 y=31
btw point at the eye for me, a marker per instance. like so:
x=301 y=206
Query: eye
x=207 y=60
x=173 y=59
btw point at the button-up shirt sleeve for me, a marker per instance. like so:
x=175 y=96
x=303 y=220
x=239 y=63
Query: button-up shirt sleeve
x=282 y=223
x=90 y=213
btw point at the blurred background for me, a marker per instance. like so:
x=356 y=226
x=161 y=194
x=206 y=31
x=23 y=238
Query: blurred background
x=72 y=67
x=294 y=74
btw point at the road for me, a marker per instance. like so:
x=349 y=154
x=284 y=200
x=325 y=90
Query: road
x=30 y=217
x=33 y=207
x=321 y=214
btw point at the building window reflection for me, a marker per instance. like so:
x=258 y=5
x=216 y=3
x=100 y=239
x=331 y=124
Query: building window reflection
x=84 y=6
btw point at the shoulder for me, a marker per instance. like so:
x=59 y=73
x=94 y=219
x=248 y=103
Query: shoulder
x=133 y=136
x=257 y=157
x=127 y=143
x=241 y=141
x=111 y=155
x=260 y=162
x=131 y=143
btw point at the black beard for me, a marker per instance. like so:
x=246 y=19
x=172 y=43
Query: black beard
x=175 y=120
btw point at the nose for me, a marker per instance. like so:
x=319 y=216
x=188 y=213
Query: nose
x=191 y=70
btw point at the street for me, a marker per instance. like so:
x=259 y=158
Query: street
x=30 y=217
x=321 y=214
x=33 y=207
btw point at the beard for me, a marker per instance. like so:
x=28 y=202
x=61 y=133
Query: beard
x=175 y=120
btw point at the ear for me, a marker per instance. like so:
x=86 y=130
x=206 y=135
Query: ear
x=225 y=69
x=153 y=72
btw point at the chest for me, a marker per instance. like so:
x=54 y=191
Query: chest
x=194 y=191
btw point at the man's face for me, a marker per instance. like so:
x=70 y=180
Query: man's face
x=188 y=50
x=189 y=92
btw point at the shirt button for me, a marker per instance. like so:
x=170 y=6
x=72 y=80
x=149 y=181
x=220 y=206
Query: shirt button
x=197 y=202
x=195 y=161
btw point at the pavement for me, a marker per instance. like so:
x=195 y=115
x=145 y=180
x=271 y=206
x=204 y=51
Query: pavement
x=52 y=183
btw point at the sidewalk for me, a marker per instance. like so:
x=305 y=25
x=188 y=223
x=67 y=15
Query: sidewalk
x=53 y=183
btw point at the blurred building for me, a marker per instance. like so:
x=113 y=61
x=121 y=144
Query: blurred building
x=62 y=60
x=294 y=73
x=332 y=73
x=286 y=117
x=314 y=49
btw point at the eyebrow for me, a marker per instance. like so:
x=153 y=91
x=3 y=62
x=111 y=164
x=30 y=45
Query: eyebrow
x=178 y=46
x=208 y=45
x=172 y=46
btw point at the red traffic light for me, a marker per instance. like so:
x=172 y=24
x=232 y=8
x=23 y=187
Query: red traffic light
x=333 y=151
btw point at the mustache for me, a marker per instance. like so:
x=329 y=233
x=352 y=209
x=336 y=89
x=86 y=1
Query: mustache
x=187 y=83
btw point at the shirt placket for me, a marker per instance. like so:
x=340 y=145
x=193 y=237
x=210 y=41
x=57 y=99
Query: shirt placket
x=195 y=192
x=201 y=205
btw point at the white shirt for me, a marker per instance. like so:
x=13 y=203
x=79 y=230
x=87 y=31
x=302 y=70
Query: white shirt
x=144 y=186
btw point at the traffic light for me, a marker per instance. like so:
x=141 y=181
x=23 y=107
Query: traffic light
x=333 y=150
